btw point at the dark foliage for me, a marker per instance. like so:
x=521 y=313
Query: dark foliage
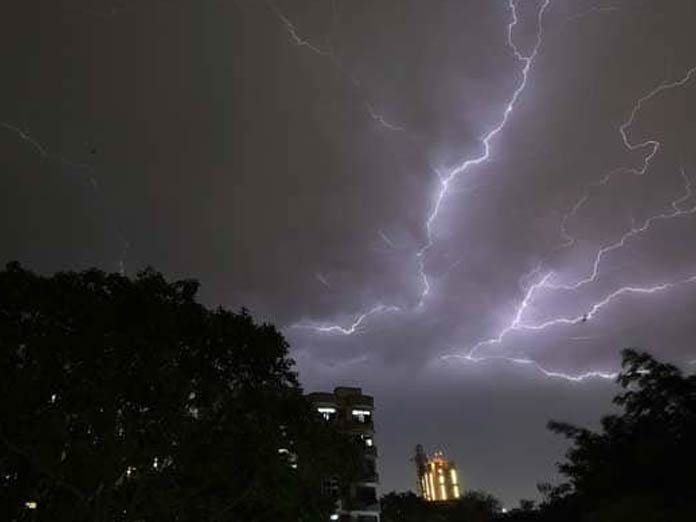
x=474 y=506
x=404 y=507
x=125 y=399
x=640 y=466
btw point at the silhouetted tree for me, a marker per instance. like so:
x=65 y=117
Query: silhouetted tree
x=526 y=512
x=473 y=506
x=124 y=399
x=404 y=507
x=640 y=466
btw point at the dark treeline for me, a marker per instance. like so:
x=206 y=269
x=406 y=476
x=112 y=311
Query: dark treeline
x=640 y=466
x=126 y=400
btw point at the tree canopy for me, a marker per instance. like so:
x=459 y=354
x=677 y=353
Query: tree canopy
x=640 y=465
x=473 y=506
x=126 y=399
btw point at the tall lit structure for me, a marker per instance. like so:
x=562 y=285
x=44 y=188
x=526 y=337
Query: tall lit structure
x=352 y=412
x=437 y=476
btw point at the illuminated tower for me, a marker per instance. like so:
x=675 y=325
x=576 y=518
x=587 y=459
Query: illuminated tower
x=437 y=476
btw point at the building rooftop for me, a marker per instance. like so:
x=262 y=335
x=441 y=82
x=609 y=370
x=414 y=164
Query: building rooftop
x=346 y=393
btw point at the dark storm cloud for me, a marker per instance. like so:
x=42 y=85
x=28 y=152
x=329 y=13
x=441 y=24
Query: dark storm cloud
x=287 y=154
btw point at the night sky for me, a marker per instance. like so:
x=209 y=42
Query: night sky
x=466 y=207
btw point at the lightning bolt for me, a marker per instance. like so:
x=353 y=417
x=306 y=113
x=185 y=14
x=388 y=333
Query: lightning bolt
x=530 y=362
x=322 y=279
x=28 y=138
x=44 y=154
x=295 y=37
x=329 y=53
x=386 y=239
x=518 y=326
x=595 y=308
x=543 y=281
x=380 y=119
x=634 y=231
x=651 y=144
x=517 y=318
x=355 y=327
x=446 y=179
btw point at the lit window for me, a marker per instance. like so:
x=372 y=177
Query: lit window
x=334 y=516
x=362 y=416
x=31 y=505
x=327 y=413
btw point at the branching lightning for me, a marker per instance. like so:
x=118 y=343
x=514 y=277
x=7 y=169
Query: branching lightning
x=44 y=154
x=676 y=211
x=515 y=324
x=518 y=325
x=651 y=144
x=522 y=361
x=633 y=232
x=295 y=37
x=541 y=280
x=355 y=327
x=328 y=52
x=445 y=180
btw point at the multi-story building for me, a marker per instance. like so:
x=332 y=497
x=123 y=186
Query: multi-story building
x=437 y=476
x=353 y=412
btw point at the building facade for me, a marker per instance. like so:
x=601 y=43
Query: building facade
x=352 y=412
x=437 y=476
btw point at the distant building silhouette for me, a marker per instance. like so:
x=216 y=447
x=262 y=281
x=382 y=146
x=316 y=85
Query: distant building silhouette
x=437 y=476
x=352 y=412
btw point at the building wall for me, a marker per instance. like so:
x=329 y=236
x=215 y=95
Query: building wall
x=352 y=412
